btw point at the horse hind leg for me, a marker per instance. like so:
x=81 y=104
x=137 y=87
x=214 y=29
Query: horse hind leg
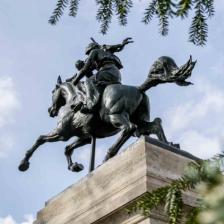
x=51 y=137
x=157 y=129
x=127 y=128
x=75 y=167
x=154 y=127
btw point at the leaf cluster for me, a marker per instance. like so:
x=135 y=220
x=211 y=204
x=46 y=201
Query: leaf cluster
x=199 y=27
x=60 y=7
x=168 y=9
x=164 y=10
x=58 y=11
x=106 y=9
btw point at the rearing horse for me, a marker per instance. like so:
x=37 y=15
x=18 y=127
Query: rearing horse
x=122 y=109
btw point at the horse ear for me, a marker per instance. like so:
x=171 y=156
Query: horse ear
x=59 y=81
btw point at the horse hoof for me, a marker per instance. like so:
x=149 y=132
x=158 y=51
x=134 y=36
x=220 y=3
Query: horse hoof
x=107 y=157
x=76 y=167
x=24 y=165
x=175 y=145
x=137 y=133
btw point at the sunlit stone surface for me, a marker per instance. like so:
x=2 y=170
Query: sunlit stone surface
x=102 y=196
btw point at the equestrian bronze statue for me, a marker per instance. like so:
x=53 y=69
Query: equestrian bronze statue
x=101 y=106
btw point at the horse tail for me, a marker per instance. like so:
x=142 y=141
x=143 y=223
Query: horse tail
x=165 y=70
x=147 y=84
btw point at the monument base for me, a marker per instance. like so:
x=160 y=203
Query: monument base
x=103 y=196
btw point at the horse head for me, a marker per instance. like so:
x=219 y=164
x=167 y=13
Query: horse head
x=61 y=95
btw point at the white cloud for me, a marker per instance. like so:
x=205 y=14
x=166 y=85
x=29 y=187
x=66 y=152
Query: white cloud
x=198 y=122
x=200 y=144
x=29 y=219
x=210 y=100
x=9 y=104
x=7 y=220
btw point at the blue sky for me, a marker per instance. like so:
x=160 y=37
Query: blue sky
x=33 y=54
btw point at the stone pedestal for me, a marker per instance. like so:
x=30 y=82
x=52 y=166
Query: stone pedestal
x=103 y=196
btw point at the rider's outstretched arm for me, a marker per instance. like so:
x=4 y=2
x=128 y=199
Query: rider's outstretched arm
x=114 y=48
x=118 y=47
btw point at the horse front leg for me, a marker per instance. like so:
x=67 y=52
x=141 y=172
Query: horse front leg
x=51 y=137
x=120 y=121
x=75 y=167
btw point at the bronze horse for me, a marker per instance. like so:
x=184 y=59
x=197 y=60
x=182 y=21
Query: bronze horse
x=122 y=109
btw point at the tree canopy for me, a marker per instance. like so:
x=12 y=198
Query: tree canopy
x=163 y=10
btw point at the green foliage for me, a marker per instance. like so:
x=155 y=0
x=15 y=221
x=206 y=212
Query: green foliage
x=207 y=177
x=191 y=219
x=174 y=204
x=149 y=201
x=212 y=209
x=122 y=9
x=168 y=9
x=199 y=28
x=164 y=10
x=150 y=11
x=213 y=202
x=104 y=14
x=73 y=7
x=58 y=11
x=184 y=7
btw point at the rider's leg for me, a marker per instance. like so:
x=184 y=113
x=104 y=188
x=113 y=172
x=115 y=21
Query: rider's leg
x=120 y=121
x=92 y=97
x=75 y=167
